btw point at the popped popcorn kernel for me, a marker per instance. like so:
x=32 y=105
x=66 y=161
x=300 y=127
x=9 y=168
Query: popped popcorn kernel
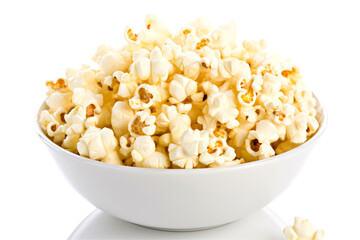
x=217 y=151
x=205 y=41
x=127 y=85
x=126 y=145
x=120 y=117
x=286 y=73
x=181 y=87
x=99 y=144
x=59 y=84
x=202 y=26
x=258 y=143
x=222 y=106
x=144 y=154
x=142 y=124
x=130 y=35
x=144 y=97
x=192 y=98
x=248 y=90
x=303 y=230
x=191 y=144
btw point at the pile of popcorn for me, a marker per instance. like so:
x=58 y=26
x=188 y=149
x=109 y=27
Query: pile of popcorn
x=193 y=99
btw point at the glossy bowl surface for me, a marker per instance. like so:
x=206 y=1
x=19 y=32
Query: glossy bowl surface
x=180 y=199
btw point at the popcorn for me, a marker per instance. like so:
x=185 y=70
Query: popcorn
x=168 y=113
x=204 y=41
x=302 y=126
x=196 y=110
x=191 y=144
x=181 y=87
x=120 y=117
x=141 y=68
x=126 y=145
x=127 y=86
x=187 y=38
x=100 y=53
x=237 y=68
x=271 y=86
x=48 y=123
x=247 y=118
x=88 y=100
x=280 y=113
x=228 y=69
x=178 y=126
x=75 y=121
x=144 y=154
x=153 y=23
x=99 y=144
x=258 y=143
x=84 y=79
x=111 y=83
x=184 y=108
x=218 y=151
x=224 y=36
x=305 y=101
x=59 y=85
x=57 y=100
x=142 y=124
x=70 y=142
x=160 y=67
x=189 y=64
x=156 y=30
x=303 y=230
x=285 y=146
x=152 y=66
x=163 y=90
x=141 y=53
x=209 y=88
x=145 y=96
x=69 y=72
x=292 y=73
x=254 y=46
x=248 y=90
x=208 y=122
x=193 y=99
x=113 y=61
x=222 y=106
x=165 y=140
x=155 y=33
x=214 y=65
x=131 y=37
x=170 y=118
x=201 y=26
x=170 y=50
x=214 y=127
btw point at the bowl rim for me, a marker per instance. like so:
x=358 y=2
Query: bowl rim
x=265 y=161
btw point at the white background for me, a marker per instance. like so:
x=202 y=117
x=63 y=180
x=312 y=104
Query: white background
x=40 y=39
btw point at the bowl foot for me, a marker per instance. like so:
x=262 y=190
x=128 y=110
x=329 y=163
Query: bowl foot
x=263 y=224
x=181 y=229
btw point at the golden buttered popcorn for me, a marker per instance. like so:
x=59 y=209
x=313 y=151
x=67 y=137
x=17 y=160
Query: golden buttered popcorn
x=191 y=99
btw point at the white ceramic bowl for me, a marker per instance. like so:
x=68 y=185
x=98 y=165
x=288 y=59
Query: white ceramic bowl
x=179 y=199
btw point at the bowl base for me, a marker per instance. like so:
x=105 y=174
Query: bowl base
x=263 y=224
x=182 y=229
